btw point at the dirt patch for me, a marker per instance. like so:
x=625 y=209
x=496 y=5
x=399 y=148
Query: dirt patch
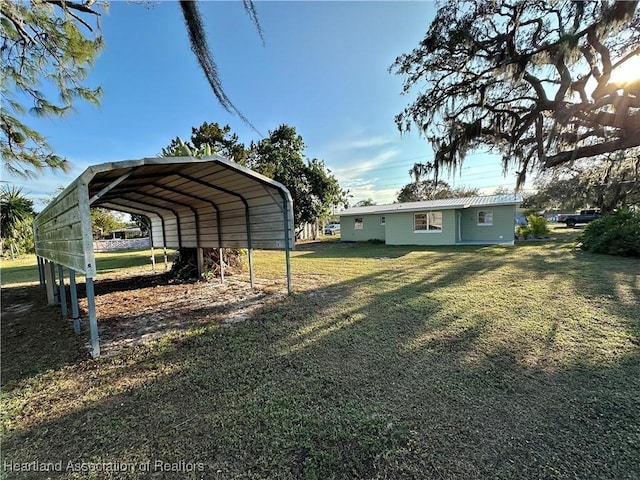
x=131 y=311
x=137 y=311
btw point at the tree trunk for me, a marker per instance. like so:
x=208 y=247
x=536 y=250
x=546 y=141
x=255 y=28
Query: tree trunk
x=185 y=267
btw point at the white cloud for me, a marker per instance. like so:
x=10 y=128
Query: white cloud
x=381 y=196
x=360 y=189
x=356 y=173
x=41 y=189
x=363 y=164
x=359 y=144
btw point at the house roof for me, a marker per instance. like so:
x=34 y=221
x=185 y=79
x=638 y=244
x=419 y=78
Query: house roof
x=441 y=204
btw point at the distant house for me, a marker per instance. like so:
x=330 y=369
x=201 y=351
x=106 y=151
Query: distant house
x=477 y=220
x=128 y=232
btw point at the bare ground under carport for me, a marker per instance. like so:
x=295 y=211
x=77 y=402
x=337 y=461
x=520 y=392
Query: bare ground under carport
x=131 y=311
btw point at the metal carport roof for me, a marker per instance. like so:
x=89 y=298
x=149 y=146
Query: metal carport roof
x=207 y=202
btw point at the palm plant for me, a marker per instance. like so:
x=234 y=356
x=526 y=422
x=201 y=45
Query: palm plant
x=16 y=212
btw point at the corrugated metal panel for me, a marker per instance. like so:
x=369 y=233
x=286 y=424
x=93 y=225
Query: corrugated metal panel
x=62 y=231
x=190 y=202
x=442 y=204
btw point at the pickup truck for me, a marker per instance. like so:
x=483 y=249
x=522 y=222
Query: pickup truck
x=584 y=216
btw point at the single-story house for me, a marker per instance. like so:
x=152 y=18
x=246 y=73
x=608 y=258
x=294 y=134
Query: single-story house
x=487 y=219
x=125 y=233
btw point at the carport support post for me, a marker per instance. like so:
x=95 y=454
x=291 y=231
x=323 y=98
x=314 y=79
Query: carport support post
x=75 y=314
x=40 y=271
x=250 y=267
x=44 y=277
x=93 y=320
x=200 y=260
x=287 y=241
x=287 y=254
x=153 y=253
x=166 y=263
x=153 y=261
x=48 y=283
x=56 y=293
x=63 y=293
x=221 y=257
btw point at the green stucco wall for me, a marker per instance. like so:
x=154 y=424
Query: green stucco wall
x=400 y=230
x=457 y=226
x=372 y=230
x=501 y=230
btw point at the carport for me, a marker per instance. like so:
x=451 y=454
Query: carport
x=200 y=203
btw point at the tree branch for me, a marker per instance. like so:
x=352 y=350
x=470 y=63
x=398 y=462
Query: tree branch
x=629 y=141
x=65 y=4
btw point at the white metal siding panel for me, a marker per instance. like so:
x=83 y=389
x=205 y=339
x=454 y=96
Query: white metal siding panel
x=61 y=236
x=156 y=233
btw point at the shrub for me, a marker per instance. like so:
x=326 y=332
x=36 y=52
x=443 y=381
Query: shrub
x=536 y=227
x=614 y=234
x=18 y=240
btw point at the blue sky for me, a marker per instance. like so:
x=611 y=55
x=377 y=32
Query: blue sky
x=323 y=69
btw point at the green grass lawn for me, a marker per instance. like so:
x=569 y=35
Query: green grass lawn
x=24 y=269
x=387 y=362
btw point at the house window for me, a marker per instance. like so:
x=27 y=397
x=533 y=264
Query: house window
x=359 y=223
x=383 y=220
x=485 y=217
x=429 y=222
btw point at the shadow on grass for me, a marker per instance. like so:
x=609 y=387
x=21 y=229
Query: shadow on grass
x=134 y=282
x=596 y=278
x=368 y=250
x=19 y=274
x=35 y=338
x=391 y=379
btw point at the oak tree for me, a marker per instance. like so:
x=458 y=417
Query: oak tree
x=314 y=189
x=104 y=221
x=219 y=139
x=531 y=79
x=368 y=202
x=430 y=189
x=607 y=183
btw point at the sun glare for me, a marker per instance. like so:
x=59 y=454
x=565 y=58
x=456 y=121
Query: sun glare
x=627 y=72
